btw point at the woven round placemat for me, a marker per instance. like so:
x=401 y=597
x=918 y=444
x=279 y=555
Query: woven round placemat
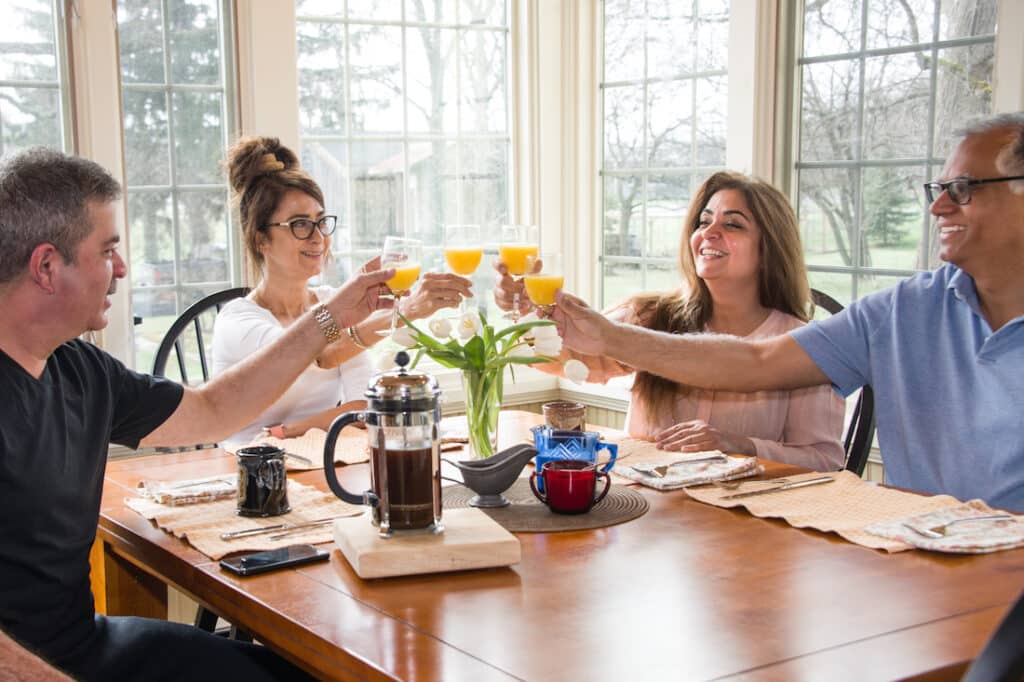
x=527 y=514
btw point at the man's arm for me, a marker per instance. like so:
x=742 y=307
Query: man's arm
x=231 y=400
x=706 y=360
x=18 y=663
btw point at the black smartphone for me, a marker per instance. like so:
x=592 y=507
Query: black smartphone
x=260 y=562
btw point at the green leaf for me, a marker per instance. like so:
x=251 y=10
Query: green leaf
x=474 y=350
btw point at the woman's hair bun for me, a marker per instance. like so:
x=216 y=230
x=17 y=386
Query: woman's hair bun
x=253 y=157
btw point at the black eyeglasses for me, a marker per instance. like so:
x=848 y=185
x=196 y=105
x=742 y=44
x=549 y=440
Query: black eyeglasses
x=959 y=188
x=303 y=228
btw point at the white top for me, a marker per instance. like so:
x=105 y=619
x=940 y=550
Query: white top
x=243 y=327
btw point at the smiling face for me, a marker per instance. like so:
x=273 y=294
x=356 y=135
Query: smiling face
x=283 y=253
x=86 y=284
x=726 y=244
x=987 y=233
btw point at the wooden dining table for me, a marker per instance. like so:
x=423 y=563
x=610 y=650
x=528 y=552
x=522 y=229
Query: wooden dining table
x=688 y=591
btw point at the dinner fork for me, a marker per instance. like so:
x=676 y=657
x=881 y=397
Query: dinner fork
x=662 y=469
x=938 y=532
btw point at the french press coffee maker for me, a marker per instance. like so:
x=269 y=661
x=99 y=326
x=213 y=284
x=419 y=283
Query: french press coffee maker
x=403 y=423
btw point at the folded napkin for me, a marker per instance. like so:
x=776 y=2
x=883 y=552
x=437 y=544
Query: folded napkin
x=202 y=524
x=191 y=491
x=979 y=537
x=681 y=474
x=350 y=448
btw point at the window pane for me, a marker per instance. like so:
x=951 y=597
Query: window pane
x=962 y=18
x=433 y=186
x=624 y=23
x=326 y=162
x=377 y=192
x=661 y=277
x=28 y=117
x=623 y=127
x=431 y=53
x=319 y=8
x=668 y=198
x=378 y=10
x=963 y=90
x=140 y=31
x=376 y=80
x=620 y=280
x=433 y=11
x=623 y=229
x=670 y=45
x=712 y=35
x=204 y=237
x=831 y=27
x=670 y=136
x=895 y=102
x=151 y=235
x=321 y=57
x=195 y=41
x=198 y=137
x=27 y=48
x=828 y=218
x=490 y=12
x=894 y=218
x=837 y=285
x=146 y=138
x=891 y=24
x=828 y=112
x=712 y=114
x=484 y=182
x=483 y=81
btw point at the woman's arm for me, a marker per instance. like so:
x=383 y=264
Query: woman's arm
x=321 y=420
x=812 y=433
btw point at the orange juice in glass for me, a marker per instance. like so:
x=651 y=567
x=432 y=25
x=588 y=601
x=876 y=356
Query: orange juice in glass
x=463 y=252
x=543 y=277
x=405 y=256
x=518 y=244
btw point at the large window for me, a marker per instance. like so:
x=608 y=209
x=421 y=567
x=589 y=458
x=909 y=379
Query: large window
x=177 y=122
x=33 y=107
x=404 y=119
x=883 y=85
x=664 y=95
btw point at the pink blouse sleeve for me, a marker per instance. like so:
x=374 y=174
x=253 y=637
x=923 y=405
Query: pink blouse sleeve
x=812 y=432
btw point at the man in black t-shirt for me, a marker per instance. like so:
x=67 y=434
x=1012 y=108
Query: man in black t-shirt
x=65 y=401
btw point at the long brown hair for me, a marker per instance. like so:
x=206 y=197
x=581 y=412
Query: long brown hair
x=261 y=170
x=782 y=276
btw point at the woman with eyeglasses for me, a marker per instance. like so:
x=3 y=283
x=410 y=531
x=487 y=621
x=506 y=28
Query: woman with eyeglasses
x=287 y=235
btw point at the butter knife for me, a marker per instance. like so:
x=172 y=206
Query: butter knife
x=304 y=460
x=788 y=486
x=270 y=529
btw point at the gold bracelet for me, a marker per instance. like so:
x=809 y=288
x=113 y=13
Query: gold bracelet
x=353 y=333
x=328 y=325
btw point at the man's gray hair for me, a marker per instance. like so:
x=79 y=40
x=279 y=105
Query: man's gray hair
x=44 y=198
x=1011 y=158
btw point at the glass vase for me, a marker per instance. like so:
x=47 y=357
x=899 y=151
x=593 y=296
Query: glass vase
x=483 y=393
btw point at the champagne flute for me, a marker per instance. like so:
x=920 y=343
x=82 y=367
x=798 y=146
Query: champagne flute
x=406 y=257
x=463 y=252
x=544 y=276
x=517 y=243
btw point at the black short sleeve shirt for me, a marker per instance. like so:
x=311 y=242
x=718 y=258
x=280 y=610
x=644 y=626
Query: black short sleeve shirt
x=54 y=434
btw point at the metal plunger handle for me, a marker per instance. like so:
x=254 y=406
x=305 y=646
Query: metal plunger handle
x=337 y=425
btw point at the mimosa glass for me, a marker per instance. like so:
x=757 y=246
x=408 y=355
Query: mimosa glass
x=463 y=252
x=406 y=257
x=518 y=242
x=544 y=276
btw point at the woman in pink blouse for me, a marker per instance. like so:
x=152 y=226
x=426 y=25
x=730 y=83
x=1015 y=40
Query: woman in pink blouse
x=744 y=275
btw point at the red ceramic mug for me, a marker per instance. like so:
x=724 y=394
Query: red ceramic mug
x=569 y=485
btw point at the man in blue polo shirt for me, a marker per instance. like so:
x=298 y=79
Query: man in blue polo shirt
x=943 y=350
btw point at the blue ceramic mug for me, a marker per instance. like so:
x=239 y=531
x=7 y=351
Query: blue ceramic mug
x=556 y=444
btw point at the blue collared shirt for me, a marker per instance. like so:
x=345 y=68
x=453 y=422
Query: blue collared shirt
x=948 y=390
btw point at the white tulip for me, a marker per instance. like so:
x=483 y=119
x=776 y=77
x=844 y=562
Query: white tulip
x=403 y=337
x=548 y=331
x=576 y=371
x=551 y=347
x=469 y=326
x=520 y=350
x=440 y=327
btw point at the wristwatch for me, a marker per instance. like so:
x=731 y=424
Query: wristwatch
x=328 y=325
x=275 y=430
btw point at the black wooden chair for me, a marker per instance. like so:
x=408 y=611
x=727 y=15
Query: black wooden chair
x=187 y=339
x=860 y=432
x=1002 y=657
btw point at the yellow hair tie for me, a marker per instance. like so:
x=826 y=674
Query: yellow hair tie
x=270 y=163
